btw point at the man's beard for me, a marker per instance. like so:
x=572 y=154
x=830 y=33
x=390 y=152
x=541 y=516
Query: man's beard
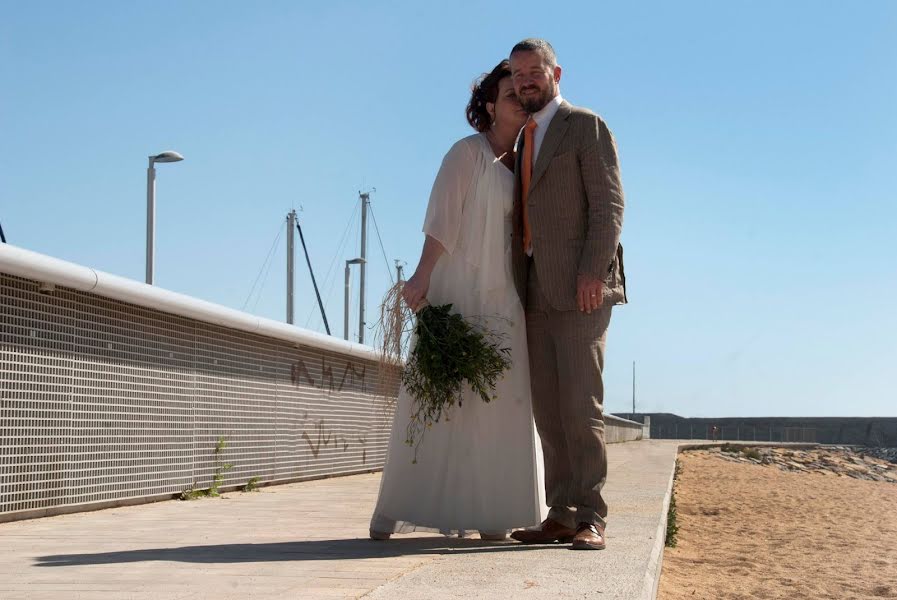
x=533 y=104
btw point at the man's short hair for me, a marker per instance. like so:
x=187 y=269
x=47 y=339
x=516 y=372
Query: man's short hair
x=537 y=45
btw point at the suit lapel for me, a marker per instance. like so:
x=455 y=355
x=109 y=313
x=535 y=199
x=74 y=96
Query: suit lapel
x=556 y=130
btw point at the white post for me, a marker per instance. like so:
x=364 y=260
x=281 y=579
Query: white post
x=291 y=226
x=365 y=200
x=346 y=305
x=150 y=219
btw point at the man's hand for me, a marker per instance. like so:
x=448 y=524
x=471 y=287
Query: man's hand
x=589 y=293
x=414 y=292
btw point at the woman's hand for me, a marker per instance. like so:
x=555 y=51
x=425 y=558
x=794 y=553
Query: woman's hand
x=414 y=292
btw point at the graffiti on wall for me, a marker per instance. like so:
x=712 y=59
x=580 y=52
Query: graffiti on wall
x=332 y=376
x=299 y=375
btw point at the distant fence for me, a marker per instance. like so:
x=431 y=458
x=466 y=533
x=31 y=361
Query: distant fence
x=745 y=433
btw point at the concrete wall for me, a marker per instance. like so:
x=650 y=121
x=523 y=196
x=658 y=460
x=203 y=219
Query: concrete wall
x=863 y=431
x=617 y=429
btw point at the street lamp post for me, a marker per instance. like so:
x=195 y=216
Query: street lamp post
x=164 y=157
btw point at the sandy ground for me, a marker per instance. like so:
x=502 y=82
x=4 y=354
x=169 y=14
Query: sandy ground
x=751 y=531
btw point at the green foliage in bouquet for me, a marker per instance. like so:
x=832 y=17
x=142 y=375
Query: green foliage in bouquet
x=449 y=352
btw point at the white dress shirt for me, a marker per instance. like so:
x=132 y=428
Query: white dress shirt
x=543 y=120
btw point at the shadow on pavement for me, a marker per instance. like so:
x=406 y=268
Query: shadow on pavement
x=290 y=551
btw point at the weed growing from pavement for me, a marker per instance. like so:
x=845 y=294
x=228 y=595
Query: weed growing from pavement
x=672 y=525
x=217 y=478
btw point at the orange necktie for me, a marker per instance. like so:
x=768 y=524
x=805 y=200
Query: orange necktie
x=525 y=178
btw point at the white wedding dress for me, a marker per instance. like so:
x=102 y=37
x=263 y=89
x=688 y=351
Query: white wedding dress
x=481 y=469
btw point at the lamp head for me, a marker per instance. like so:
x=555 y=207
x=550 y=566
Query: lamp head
x=166 y=157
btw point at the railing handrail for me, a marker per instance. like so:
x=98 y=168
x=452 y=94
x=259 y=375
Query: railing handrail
x=47 y=269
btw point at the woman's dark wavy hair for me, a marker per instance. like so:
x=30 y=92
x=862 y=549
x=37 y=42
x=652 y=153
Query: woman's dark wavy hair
x=484 y=90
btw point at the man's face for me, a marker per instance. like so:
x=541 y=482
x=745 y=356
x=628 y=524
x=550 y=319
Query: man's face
x=535 y=81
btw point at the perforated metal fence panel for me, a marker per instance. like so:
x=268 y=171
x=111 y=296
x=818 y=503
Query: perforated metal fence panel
x=103 y=401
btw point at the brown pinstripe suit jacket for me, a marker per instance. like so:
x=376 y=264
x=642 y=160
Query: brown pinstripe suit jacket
x=575 y=207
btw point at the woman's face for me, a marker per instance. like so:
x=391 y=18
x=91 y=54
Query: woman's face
x=508 y=113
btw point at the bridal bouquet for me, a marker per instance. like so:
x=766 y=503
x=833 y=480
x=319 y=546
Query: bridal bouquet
x=449 y=353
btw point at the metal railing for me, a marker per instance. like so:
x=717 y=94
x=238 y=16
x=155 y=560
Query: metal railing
x=744 y=433
x=103 y=400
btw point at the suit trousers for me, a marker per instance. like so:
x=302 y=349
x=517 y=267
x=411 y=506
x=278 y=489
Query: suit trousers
x=566 y=352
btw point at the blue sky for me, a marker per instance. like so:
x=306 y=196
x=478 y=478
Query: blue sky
x=758 y=142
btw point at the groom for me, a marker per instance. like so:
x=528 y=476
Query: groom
x=568 y=269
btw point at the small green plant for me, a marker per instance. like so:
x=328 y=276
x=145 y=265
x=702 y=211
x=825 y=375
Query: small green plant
x=252 y=485
x=730 y=448
x=672 y=525
x=217 y=478
x=220 y=468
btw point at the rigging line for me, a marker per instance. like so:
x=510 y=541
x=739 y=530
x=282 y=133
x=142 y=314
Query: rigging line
x=382 y=249
x=265 y=278
x=267 y=258
x=331 y=271
x=265 y=262
x=313 y=282
x=329 y=294
x=357 y=223
x=335 y=278
x=333 y=261
x=340 y=246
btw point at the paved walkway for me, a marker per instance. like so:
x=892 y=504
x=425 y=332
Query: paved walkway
x=309 y=541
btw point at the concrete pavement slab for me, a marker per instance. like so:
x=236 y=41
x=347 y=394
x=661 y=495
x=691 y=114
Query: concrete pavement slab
x=309 y=540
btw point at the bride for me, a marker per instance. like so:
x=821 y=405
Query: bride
x=481 y=469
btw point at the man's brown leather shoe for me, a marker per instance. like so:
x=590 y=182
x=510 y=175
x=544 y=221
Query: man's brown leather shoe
x=548 y=532
x=589 y=537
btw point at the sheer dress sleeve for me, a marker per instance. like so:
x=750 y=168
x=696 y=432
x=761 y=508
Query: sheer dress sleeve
x=447 y=198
